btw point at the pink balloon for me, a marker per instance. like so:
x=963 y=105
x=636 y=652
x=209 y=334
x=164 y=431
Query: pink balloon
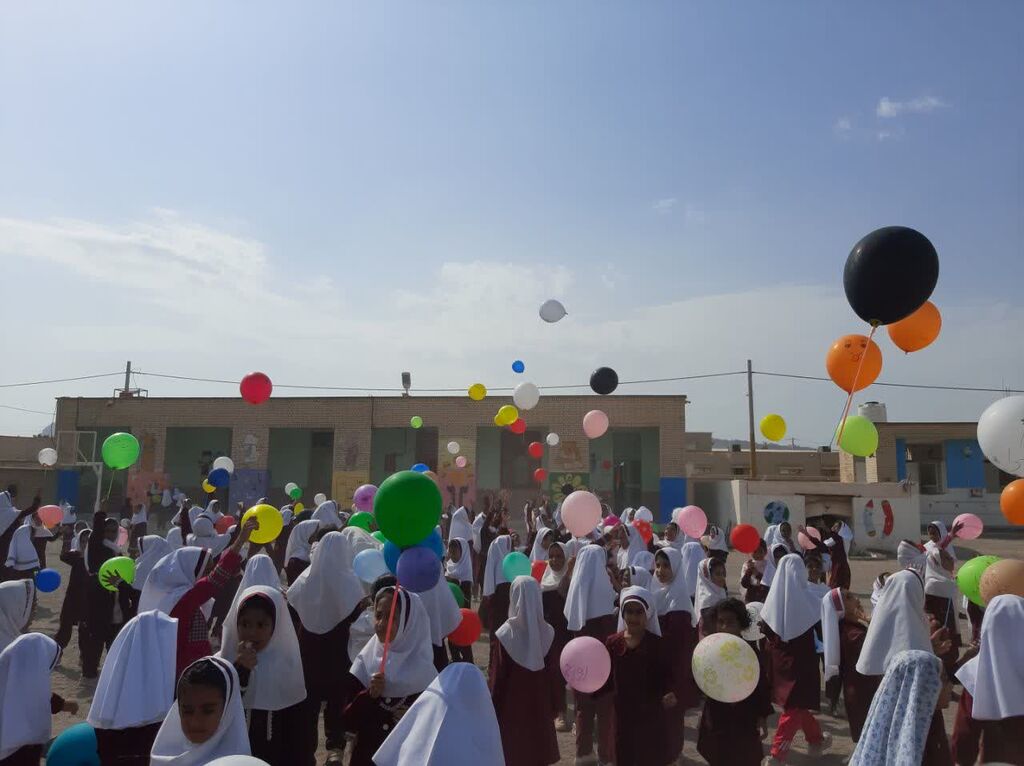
x=972 y=526
x=585 y=664
x=50 y=515
x=692 y=521
x=581 y=513
x=804 y=539
x=461 y=461
x=362 y=498
x=610 y=521
x=595 y=423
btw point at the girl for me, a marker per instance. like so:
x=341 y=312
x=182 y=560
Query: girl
x=990 y=720
x=443 y=615
x=207 y=720
x=938 y=537
x=17 y=600
x=940 y=595
x=675 y=616
x=204 y=535
x=459 y=527
x=326 y=599
x=262 y=645
x=635 y=575
x=72 y=610
x=876 y=588
x=135 y=690
x=788 y=621
x=716 y=544
x=752 y=577
x=26 y=702
x=327 y=514
x=152 y=548
x=22 y=557
x=632 y=544
x=459 y=567
x=494 y=604
x=692 y=555
x=554 y=585
x=590 y=611
x=776 y=552
x=380 y=694
x=11 y=520
x=259 y=570
x=711 y=591
x=844 y=628
x=837 y=547
x=541 y=543
x=40 y=536
x=297 y=554
x=732 y=733
x=640 y=682
x=520 y=682
x=106 y=610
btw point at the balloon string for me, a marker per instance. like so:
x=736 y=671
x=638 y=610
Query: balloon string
x=110 y=486
x=853 y=387
x=387 y=636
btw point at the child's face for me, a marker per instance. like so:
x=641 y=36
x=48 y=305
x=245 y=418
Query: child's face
x=200 y=708
x=545 y=541
x=635 y=617
x=813 y=569
x=933 y=533
x=662 y=570
x=671 y=532
x=454 y=552
x=785 y=529
x=760 y=552
x=256 y=627
x=110 y=531
x=727 y=623
x=718 y=574
x=381 y=612
x=851 y=605
x=556 y=558
x=779 y=553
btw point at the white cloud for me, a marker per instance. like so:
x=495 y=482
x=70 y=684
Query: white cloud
x=665 y=206
x=890 y=134
x=843 y=127
x=887 y=108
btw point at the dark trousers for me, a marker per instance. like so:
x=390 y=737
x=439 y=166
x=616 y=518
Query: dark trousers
x=39 y=543
x=332 y=703
x=92 y=640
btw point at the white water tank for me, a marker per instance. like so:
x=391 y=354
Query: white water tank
x=873 y=411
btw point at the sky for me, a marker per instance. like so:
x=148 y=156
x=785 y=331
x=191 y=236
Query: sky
x=333 y=193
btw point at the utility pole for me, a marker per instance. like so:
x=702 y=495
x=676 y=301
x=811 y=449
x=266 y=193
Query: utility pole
x=127 y=376
x=750 y=410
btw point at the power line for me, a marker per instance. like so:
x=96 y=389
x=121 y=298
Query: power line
x=59 y=380
x=900 y=385
x=22 y=409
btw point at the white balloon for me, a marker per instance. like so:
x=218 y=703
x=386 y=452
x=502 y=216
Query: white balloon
x=551 y=311
x=289 y=487
x=1001 y=434
x=319 y=498
x=526 y=396
x=553 y=439
x=224 y=462
x=48 y=456
x=453 y=448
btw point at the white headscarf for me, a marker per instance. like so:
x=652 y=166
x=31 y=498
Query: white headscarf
x=152 y=548
x=673 y=596
x=360 y=632
x=277 y=681
x=174 y=538
x=442 y=611
x=642 y=596
x=643 y=513
x=791 y=609
x=644 y=560
x=539 y=552
x=259 y=570
x=136 y=686
x=15 y=609
x=298 y=541
x=876 y=590
x=590 y=590
x=22 y=553
x=360 y=540
x=637 y=546
x=716 y=539
x=460 y=526
x=640 y=576
x=173 y=577
x=25 y=714
x=193 y=514
x=551 y=580
x=213 y=510
x=769 y=562
x=8 y=513
x=205 y=536
x=410 y=667
x=995 y=678
x=327 y=514
x=231 y=738
x=943 y=532
x=525 y=635
x=901 y=712
x=478 y=525
x=327 y=591
x=461 y=570
x=832 y=611
x=708 y=593
x=771 y=535
x=910 y=556
x=692 y=554
x=451 y=724
x=501 y=546
x=897 y=624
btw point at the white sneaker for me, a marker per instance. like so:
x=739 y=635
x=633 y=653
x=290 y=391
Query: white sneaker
x=821 y=747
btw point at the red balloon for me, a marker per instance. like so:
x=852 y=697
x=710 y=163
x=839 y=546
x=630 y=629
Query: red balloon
x=224 y=523
x=540 y=475
x=536 y=449
x=469 y=629
x=256 y=388
x=745 y=538
x=518 y=427
x=644 y=528
x=537 y=569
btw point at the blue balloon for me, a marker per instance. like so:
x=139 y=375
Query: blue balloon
x=391 y=554
x=75 y=746
x=434 y=543
x=421 y=468
x=369 y=565
x=418 y=569
x=47 y=580
x=219 y=477
x=518 y=366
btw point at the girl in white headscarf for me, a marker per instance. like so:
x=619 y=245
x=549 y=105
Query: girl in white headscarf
x=259 y=570
x=520 y=678
x=214 y=725
x=844 y=628
x=327 y=514
x=940 y=597
x=692 y=554
x=637 y=575
x=443 y=615
x=300 y=541
x=204 y=535
x=459 y=566
x=22 y=559
x=135 y=689
x=174 y=538
x=73 y=608
x=940 y=538
x=634 y=547
x=898 y=623
x=460 y=526
x=152 y=548
x=554 y=586
x=716 y=543
x=494 y=606
x=17 y=600
x=541 y=542
x=711 y=590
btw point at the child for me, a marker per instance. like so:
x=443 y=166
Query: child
x=22 y=557
x=554 y=586
x=711 y=591
x=990 y=720
x=876 y=588
x=17 y=601
x=379 y=694
x=844 y=628
x=752 y=578
x=459 y=568
x=327 y=514
x=443 y=615
x=207 y=720
x=262 y=645
x=106 y=610
x=775 y=553
x=204 y=535
x=940 y=596
x=545 y=537
x=632 y=544
x=788 y=621
x=11 y=520
x=675 y=616
x=494 y=604
x=692 y=554
x=135 y=690
x=459 y=526
x=640 y=682
x=259 y=570
x=299 y=543
x=636 y=575
x=731 y=733
x=898 y=624
x=326 y=599
x=26 y=702
x=520 y=682
x=590 y=611
x=715 y=543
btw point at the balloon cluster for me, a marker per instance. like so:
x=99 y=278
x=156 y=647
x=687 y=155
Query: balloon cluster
x=407 y=509
x=1001 y=437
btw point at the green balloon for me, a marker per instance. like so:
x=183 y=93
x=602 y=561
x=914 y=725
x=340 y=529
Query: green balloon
x=407 y=507
x=460 y=597
x=515 y=565
x=362 y=519
x=122 y=566
x=296 y=493
x=860 y=437
x=968 y=579
x=379 y=537
x=120 y=450
x=416 y=421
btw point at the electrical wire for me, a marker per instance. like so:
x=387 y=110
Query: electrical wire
x=60 y=380
x=924 y=386
x=22 y=409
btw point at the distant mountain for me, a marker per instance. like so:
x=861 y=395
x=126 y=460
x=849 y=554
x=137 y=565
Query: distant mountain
x=745 y=445
x=48 y=431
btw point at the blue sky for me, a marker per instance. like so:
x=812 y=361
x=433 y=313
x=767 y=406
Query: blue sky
x=336 y=192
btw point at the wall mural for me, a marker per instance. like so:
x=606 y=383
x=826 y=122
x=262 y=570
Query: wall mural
x=888 y=521
x=147 y=487
x=344 y=485
x=247 y=486
x=776 y=512
x=560 y=482
x=458 y=485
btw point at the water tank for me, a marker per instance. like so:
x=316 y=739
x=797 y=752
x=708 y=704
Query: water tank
x=873 y=411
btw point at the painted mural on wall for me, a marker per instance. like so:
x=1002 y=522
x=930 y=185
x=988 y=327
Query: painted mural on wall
x=344 y=485
x=247 y=486
x=560 y=482
x=880 y=513
x=568 y=457
x=458 y=485
x=147 y=487
x=348 y=452
x=776 y=512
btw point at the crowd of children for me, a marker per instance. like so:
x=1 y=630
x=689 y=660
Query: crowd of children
x=222 y=647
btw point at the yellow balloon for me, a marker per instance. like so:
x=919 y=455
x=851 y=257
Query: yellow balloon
x=477 y=391
x=207 y=487
x=497 y=421
x=508 y=415
x=270 y=523
x=298 y=508
x=773 y=427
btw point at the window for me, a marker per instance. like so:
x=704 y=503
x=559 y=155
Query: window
x=790 y=470
x=739 y=471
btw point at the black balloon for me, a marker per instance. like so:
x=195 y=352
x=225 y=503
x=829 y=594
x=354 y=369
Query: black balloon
x=889 y=274
x=604 y=380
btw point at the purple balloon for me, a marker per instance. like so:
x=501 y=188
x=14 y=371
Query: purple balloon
x=418 y=569
x=363 y=497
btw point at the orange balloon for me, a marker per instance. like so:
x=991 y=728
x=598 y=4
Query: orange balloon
x=1011 y=502
x=845 y=357
x=917 y=331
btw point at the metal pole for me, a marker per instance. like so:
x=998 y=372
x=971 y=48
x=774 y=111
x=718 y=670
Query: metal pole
x=750 y=410
x=127 y=377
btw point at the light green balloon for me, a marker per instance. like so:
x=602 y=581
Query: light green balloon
x=120 y=450
x=859 y=436
x=416 y=421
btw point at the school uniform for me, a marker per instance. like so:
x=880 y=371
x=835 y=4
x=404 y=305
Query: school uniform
x=838 y=548
x=11 y=520
x=752 y=582
x=708 y=596
x=15 y=609
x=843 y=640
x=554 y=586
x=22 y=557
x=106 y=611
x=26 y=702
x=461 y=573
x=297 y=552
x=72 y=609
x=494 y=610
x=941 y=593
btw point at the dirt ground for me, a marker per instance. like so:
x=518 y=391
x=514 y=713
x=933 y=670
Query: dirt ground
x=67 y=680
